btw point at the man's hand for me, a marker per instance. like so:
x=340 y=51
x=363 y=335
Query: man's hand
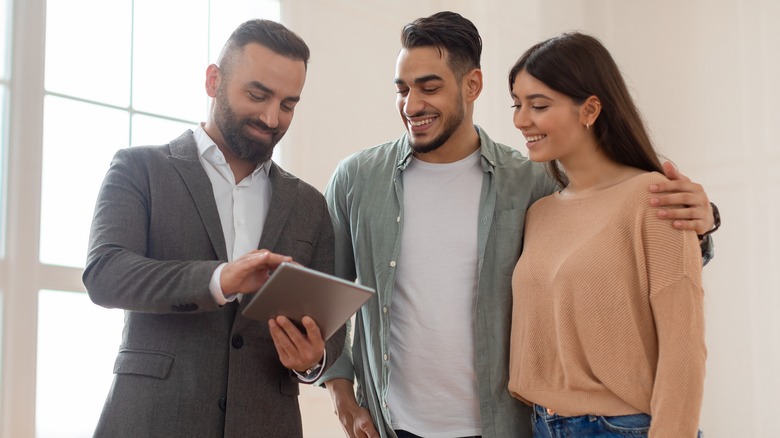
x=355 y=420
x=297 y=351
x=248 y=273
x=686 y=202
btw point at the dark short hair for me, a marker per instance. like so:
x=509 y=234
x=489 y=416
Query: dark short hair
x=579 y=66
x=267 y=33
x=450 y=32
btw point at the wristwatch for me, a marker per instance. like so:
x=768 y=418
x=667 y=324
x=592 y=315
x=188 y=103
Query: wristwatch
x=716 y=217
x=313 y=369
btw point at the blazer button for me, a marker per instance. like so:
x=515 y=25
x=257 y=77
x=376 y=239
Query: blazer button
x=223 y=404
x=237 y=341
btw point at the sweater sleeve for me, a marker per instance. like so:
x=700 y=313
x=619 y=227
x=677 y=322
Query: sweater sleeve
x=673 y=263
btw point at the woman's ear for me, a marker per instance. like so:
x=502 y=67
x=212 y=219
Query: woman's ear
x=589 y=111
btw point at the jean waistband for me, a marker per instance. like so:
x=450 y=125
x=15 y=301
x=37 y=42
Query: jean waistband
x=544 y=412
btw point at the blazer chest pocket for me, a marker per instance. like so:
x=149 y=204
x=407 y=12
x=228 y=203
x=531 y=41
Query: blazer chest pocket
x=150 y=363
x=302 y=251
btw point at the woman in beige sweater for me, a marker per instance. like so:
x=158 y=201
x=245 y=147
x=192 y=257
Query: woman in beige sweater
x=608 y=321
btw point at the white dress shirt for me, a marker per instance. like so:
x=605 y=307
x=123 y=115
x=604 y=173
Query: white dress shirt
x=242 y=206
x=242 y=210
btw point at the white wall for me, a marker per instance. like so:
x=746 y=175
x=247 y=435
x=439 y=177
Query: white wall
x=704 y=73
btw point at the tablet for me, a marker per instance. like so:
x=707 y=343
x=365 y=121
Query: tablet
x=295 y=291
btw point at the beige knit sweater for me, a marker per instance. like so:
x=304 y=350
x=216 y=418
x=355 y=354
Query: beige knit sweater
x=608 y=314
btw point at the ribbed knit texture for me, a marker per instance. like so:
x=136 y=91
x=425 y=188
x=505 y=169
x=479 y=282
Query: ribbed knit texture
x=608 y=314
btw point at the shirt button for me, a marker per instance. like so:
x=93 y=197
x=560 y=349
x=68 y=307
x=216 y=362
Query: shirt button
x=392 y=264
x=237 y=341
x=384 y=357
x=398 y=219
x=384 y=404
x=384 y=309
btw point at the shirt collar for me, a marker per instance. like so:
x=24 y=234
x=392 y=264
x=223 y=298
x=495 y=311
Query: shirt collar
x=209 y=151
x=487 y=151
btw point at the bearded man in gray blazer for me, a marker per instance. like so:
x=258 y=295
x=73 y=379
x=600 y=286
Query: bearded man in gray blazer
x=181 y=231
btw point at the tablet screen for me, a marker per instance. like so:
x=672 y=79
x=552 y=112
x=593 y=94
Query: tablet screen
x=295 y=291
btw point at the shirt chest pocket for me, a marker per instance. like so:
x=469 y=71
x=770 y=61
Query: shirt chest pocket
x=507 y=239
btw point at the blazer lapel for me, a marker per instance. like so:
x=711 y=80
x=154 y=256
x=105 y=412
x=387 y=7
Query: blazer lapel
x=283 y=194
x=184 y=157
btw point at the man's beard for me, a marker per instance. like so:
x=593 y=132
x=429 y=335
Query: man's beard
x=451 y=124
x=232 y=129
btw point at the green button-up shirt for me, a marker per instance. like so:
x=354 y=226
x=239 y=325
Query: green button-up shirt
x=365 y=197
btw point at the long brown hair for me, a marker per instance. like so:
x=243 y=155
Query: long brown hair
x=579 y=66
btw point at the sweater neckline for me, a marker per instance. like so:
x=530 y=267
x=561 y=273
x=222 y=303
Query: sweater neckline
x=605 y=191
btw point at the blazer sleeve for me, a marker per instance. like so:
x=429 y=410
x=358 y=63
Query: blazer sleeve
x=323 y=260
x=129 y=265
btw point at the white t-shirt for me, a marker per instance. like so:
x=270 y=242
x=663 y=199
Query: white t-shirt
x=433 y=387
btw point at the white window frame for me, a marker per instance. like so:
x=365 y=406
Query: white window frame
x=23 y=274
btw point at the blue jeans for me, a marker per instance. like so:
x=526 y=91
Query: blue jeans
x=551 y=425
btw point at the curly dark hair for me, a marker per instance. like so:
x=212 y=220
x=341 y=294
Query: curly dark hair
x=450 y=32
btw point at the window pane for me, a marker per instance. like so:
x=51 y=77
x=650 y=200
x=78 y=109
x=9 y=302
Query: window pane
x=88 y=49
x=77 y=346
x=5 y=52
x=74 y=164
x=3 y=154
x=5 y=31
x=154 y=130
x=169 y=67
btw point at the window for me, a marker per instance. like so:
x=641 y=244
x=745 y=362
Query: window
x=4 y=73
x=4 y=52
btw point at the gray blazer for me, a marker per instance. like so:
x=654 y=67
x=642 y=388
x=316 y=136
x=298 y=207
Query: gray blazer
x=186 y=366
